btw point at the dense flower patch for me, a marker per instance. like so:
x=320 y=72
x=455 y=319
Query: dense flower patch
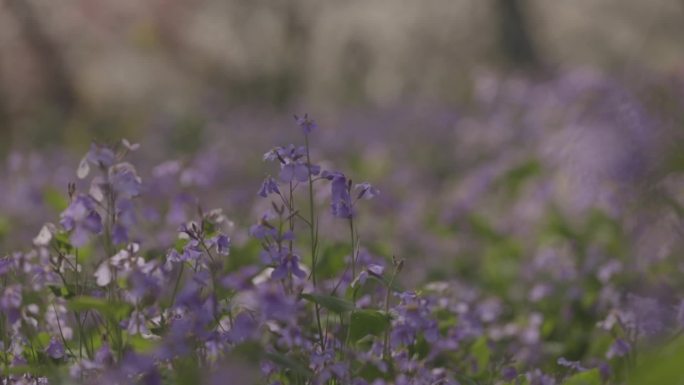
x=136 y=281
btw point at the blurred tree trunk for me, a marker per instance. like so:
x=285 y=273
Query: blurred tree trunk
x=514 y=35
x=5 y=117
x=5 y=122
x=57 y=79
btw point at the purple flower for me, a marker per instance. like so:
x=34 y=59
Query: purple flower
x=119 y=234
x=241 y=279
x=6 y=265
x=619 y=348
x=263 y=228
x=142 y=286
x=307 y=125
x=536 y=377
x=81 y=219
x=55 y=349
x=268 y=186
x=341 y=204
x=509 y=373
x=100 y=155
x=77 y=211
x=294 y=172
x=10 y=302
x=223 y=244
x=289 y=264
x=104 y=356
x=366 y=191
x=192 y=251
x=293 y=166
x=275 y=305
x=371 y=269
x=575 y=365
x=243 y=328
x=124 y=180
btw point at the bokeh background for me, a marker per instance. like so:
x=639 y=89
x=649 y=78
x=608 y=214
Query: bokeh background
x=82 y=68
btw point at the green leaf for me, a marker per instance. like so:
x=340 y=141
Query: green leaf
x=331 y=260
x=394 y=285
x=4 y=226
x=367 y=322
x=589 y=377
x=662 y=365
x=480 y=351
x=289 y=363
x=140 y=344
x=55 y=199
x=332 y=303
x=109 y=309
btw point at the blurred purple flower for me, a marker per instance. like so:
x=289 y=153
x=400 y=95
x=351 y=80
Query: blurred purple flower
x=619 y=348
x=341 y=204
x=101 y=156
x=366 y=191
x=55 y=349
x=125 y=181
x=289 y=264
x=81 y=219
x=306 y=124
x=268 y=186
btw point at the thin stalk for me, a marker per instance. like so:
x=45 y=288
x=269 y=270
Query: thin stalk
x=314 y=240
x=177 y=284
x=352 y=234
x=61 y=334
x=385 y=346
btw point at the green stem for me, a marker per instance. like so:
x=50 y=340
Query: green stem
x=177 y=284
x=314 y=240
x=385 y=346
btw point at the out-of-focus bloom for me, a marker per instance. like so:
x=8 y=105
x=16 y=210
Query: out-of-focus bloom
x=55 y=349
x=366 y=191
x=619 y=348
x=124 y=180
x=268 y=187
x=81 y=219
x=341 y=203
x=289 y=264
x=307 y=125
x=574 y=365
x=293 y=166
x=371 y=269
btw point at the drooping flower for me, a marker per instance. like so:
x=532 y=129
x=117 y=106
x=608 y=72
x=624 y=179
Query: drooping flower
x=289 y=264
x=81 y=219
x=574 y=365
x=341 y=203
x=101 y=156
x=293 y=165
x=366 y=191
x=55 y=349
x=222 y=244
x=370 y=270
x=125 y=181
x=275 y=304
x=268 y=187
x=619 y=348
x=306 y=124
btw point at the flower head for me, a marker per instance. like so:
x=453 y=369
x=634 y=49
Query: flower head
x=307 y=125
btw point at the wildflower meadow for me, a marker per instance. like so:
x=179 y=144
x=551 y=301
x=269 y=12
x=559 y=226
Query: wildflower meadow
x=548 y=256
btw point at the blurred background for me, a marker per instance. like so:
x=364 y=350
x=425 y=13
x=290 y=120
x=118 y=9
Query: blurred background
x=76 y=68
